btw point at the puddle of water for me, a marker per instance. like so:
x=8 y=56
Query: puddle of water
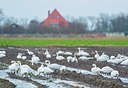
x=72 y=83
x=58 y=83
x=50 y=84
x=86 y=72
x=124 y=80
x=18 y=83
x=21 y=84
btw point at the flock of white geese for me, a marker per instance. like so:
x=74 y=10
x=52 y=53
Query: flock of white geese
x=47 y=68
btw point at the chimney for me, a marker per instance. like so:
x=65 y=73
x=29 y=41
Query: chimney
x=48 y=13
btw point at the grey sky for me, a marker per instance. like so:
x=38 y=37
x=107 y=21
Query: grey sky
x=38 y=8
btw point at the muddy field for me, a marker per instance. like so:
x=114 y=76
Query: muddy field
x=92 y=81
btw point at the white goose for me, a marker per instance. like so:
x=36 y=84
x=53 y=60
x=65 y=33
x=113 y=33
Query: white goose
x=74 y=59
x=14 y=67
x=35 y=59
x=48 y=55
x=84 y=58
x=63 y=68
x=125 y=62
x=29 y=52
x=103 y=57
x=2 y=52
x=60 y=52
x=24 y=57
x=69 y=58
x=97 y=55
x=44 y=70
x=46 y=52
x=53 y=66
x=115 y=61
x=95 y=69
x=19 y=56
x=59 y=57
x=2 y=55
x=115 y=73
x=106 y=70
x=68 y=53
x=112 y=57
x=25 y=69
x=82 y=52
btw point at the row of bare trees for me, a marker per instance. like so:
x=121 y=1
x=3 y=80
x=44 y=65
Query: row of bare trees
x=82 y=25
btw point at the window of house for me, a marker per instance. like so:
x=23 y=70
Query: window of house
x=58 y=16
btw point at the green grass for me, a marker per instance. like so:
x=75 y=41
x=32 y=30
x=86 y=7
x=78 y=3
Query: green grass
x=61 y=42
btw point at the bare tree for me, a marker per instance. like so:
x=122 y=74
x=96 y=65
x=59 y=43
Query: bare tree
x=92 y=22
x=103 y=23
x=119 y=23
x=1 y=20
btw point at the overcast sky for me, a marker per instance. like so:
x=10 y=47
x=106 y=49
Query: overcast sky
x=38 y=8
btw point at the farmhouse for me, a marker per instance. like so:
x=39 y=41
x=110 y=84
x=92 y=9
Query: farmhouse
x=55 y=19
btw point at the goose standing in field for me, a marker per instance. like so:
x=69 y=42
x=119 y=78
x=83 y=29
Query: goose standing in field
x=112 y=57
x=115 y=61
x=84 y=58
x=25 y=70
x=19 y=56
x=2 y=54
x=74 y=59
x=60 y=52
x=46 y=52
x=48 y=55
x=24 y=57
x=14 y=67
x=103 y=57
x=53 y=66
x=125 y=62
x=118 y=56
x=82 y=52
x=95 y=69
x=69 y=58
x=29 y=52
x=68 y=53
x=106 y=70
x=59 y=57
x=44 y=70
x=63 y=68
x=35 y=59
x=96 y=54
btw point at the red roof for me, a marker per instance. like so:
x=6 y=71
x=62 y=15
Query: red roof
x=55 y=19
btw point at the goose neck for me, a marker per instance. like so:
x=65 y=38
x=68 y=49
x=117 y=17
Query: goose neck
x=19 y=63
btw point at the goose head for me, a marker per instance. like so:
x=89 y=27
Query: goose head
x=79 y=48
x=47 y=62
x=94 y=65
x=19 y=63
x=27 y=50
x=12 y=62
x=96 y=52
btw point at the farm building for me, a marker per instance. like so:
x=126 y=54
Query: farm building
x=117 y=34
x=55 y=19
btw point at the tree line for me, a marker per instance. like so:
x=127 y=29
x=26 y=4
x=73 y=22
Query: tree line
x=102 y=23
